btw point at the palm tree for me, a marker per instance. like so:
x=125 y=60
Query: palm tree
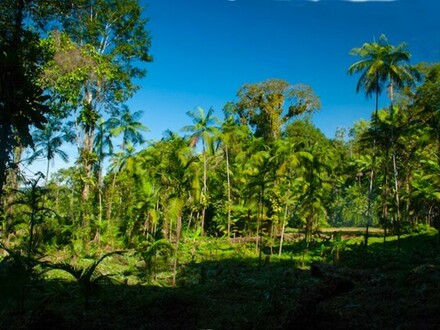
x=129 y=126
x=286 y=160
x=381 y=63
x=47 y=145
x=315 y=184
x=103 y=144
x=259 y=175
x=103 y=147
x=202 y=129
x=231 y=136
x=178 y=176
x=118 y=162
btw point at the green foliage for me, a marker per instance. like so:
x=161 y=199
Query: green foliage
x=18 y=276
x=380 y=63
x=88 y=278
x=23 y=101
x=262 y=105
x=151 y=250
x=32 y=212
x=266 y=179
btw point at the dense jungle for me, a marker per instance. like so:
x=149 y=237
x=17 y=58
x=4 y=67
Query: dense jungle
x=256 y=220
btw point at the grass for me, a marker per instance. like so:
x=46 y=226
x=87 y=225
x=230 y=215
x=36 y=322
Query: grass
x=225 y=285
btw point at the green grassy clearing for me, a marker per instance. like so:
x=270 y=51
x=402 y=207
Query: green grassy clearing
x=227 y=285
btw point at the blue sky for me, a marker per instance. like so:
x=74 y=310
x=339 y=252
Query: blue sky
x=204 y=50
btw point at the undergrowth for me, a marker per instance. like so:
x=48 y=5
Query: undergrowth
x=226 y=284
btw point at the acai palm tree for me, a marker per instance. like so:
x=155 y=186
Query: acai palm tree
x=381 y=66
x=203 y=128
x=129 y=126
x=382 y=63
x=47 y=143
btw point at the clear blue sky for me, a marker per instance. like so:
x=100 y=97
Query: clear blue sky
x=204 y=50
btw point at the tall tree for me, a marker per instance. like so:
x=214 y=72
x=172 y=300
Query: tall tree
x=21 y=97
x=267 y=105
x=232 y=137
x=427 y=101
x=129 y=126
x=108 y=39
x=286 y=160
x=103 y=146
x=203 y=128
x=381 y=63
x=47 y=145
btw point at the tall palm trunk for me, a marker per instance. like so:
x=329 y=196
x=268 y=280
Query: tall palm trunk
x=373 y=164
x=397 y=195
x=228 y=180
x=259 y=217
x=283 y=229
x=110 y=201
x=394 y=159
x=178 y=230
x=205 y=197
x=385 y=197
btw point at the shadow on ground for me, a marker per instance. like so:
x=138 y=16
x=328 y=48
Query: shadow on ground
x=382 y=288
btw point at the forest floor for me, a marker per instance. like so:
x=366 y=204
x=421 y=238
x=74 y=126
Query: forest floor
x=223 y=285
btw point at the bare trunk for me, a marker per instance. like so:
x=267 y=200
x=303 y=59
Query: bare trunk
x=283 y=228
x=394 y=151
x=205 y=197
x=100 y=210
x=178 y=230
x=397 y=196
x=373 y=163
x=31 y=235
x=110 y=202
x=229 y=191
x=259 y=217
x=385 y=196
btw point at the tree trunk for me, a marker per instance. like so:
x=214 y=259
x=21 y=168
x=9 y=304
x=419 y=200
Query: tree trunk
x=8 y=109
x=110 y=202
x=394 y=151
x=205 y=199
x=47 y=171
x=4 y=154
x=259 y=218
x=385 y=197
x=178 y=229
x=229 y=190
x=373 y=163
x=397 y=197
x=89 y=129
x=283 y=228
